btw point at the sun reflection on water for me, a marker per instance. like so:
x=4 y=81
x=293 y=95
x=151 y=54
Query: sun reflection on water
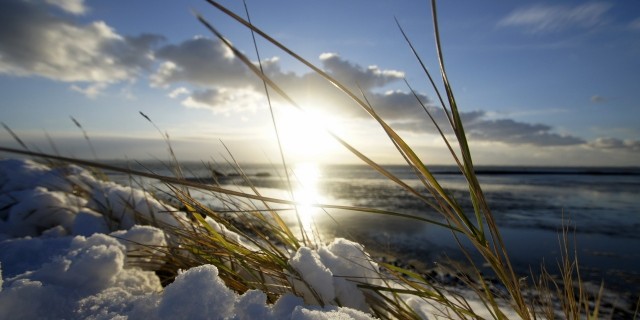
x=306 y=176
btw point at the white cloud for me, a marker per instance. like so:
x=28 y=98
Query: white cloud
x=178 y=92
x=70 y=6
x=550 y=18
x=34 y=42
x=92 y=90
x=327 y=55
x=162 y=74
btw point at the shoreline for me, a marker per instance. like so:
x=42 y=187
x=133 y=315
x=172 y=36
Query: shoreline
x=621 y=305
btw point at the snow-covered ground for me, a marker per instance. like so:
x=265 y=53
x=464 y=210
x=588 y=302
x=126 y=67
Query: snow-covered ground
x=64 y=238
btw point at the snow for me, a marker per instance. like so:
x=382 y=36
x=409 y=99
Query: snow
x=197 y=294
x=66 y=244
x=67 y=272
x=315 y=274
x=333 y=272
x=62 y=258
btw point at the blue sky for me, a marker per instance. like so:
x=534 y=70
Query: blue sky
x=538 y=82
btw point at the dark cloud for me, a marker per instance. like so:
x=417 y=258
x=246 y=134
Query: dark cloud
x=398 y=105
x=33 y=41
x=479 y=127
x=354 y=75
x=514 y=132
x=615 y=144
x=201 y=61
x=598 y=99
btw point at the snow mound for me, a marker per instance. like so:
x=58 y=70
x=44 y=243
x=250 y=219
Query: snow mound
x=333 y=272
x=86 y=279
x=64 y=243
x=60 y=282
x=34 y=198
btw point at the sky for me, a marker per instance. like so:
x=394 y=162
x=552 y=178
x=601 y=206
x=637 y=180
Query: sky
x=537 y=82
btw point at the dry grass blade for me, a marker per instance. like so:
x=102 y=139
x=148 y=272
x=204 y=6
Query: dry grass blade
x=86 y=137
x=15 y=136
x=283 y=226
x=177 y=168
x=275 y=125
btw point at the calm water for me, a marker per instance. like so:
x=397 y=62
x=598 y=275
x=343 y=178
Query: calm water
x=530 y=205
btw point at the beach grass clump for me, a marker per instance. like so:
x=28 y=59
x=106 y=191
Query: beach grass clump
x=482 y=231
x=253 y=247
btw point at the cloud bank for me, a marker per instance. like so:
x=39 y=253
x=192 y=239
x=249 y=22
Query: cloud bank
x=202 y=73
x=33 y=41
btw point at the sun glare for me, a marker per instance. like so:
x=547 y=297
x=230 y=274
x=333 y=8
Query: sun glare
x=306 y=194
x=303 y=136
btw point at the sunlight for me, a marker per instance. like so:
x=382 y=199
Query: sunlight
x=306 y=177
x=303 y=135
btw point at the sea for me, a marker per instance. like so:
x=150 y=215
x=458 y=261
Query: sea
x=599 y=207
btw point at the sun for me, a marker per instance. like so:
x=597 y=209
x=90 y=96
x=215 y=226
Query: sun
x=304 y=136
